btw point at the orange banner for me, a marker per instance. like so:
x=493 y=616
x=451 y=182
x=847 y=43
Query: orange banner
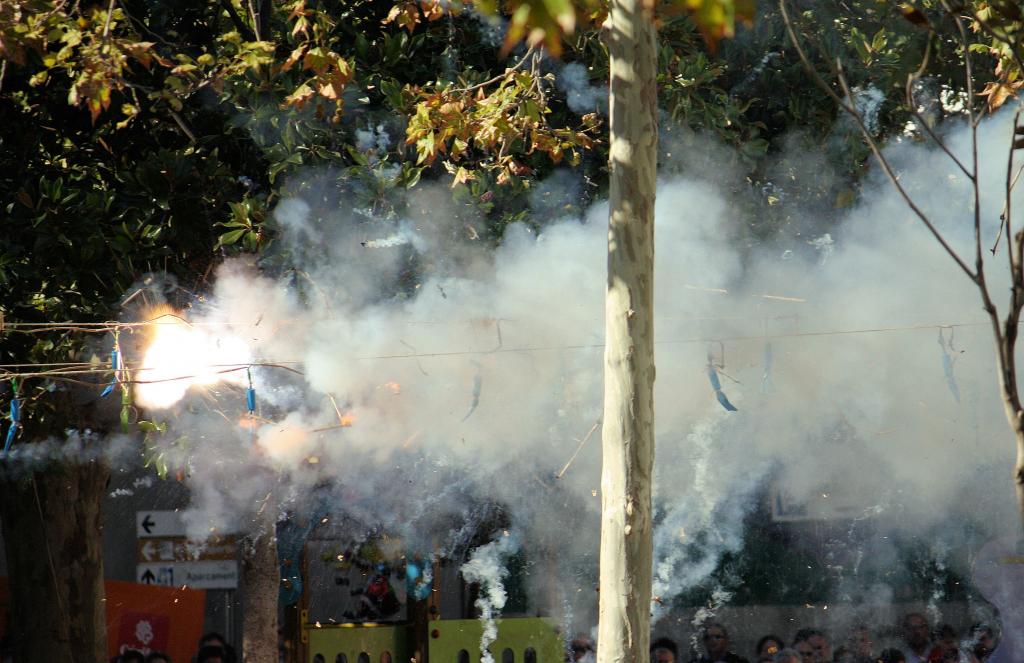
x=145 y=617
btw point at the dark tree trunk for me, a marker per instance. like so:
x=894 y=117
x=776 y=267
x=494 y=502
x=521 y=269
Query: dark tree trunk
x=261 y=577
x=419 y=624
x=53 y=541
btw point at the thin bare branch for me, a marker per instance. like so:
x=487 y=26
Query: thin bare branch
x=256 y=13
x=923 y=123
x=1016 y=270
x=872 y=144
x=1006 y=223
x=106 y=25
x=1004 y=339
x=561 y=472
x=979 y=256
x=1006 y=210
x=516 y=66
x=237 y=21
x=142 y=27
x=180 y=121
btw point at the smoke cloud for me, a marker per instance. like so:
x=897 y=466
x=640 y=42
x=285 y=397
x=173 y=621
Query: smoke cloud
x=418 y=406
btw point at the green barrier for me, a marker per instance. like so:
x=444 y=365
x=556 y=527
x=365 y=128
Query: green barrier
x=358 y=644
x=520 y=640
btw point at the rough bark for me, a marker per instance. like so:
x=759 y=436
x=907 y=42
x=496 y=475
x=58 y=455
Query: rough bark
x=53 y=542
x=419 y=622
x=261 y=576
x=1015 y=417
x=628 y=430
x=1018 y=480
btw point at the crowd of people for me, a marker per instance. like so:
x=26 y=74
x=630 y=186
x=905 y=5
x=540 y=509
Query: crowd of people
x=213 y=648
x=920 y=644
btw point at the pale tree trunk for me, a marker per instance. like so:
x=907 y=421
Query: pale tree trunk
x=1018 y=475
x=53 y=542
x=628 y=430
x=261 y=577
x=1015 y=417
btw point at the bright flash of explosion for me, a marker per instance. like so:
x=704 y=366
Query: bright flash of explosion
x=284 y=442
x=180 y=356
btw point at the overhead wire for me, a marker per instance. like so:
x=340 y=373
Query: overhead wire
x=92 y=368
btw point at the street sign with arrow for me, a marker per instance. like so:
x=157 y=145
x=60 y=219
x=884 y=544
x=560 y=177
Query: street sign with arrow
x=208 y=574
x=166 y=557
x=158 y=524
x=152 y=574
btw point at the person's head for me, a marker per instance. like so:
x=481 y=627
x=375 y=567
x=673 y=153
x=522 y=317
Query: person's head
x=767 y=647
x=664 y=650
x=844 y=655
x=892 y=656
x=580 y=647
x=715 y=638
x=158 y=657
x=946 y=638
x=915 y=631
x=787 y=656
x=212 y=638
x=821 y=645
x=805 y=650
x=211 y=654
x=982 y=640
x=817 y=641
x=132 y=656
x=861 y=642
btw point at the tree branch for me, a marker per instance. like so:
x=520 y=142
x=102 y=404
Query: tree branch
x=1004 y=218
x=912 y=105
x=516 y=66
x=180 y=121
x=872 y=144
x=979 y=258
x=257 y=11
x=106 y=25
x=236 y=20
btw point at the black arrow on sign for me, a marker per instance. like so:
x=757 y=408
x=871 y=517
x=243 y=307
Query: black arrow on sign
x=148 y=577
x=147 y=524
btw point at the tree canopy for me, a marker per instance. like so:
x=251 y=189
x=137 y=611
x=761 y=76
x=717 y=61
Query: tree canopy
x=157 y=137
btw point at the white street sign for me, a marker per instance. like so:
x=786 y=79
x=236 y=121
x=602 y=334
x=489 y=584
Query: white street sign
x=158 y=524
x=197 y=575
x=180 y=549
x=155 y=574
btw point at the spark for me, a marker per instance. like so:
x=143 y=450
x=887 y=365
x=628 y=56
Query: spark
x=181 y=356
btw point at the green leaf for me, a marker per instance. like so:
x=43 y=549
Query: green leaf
x=357 y=156
x=275 y=169
x=153 y=426
x=231 y=237
x=879 y=41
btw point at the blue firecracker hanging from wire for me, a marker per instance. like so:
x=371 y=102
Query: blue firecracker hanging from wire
x=766 y=376
x=947 y=364
x=12 y=432
x=250 y=405
x=250 y=395
x=716 y=385
x=478 y=383
x=115 y=365
x=119 y=378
